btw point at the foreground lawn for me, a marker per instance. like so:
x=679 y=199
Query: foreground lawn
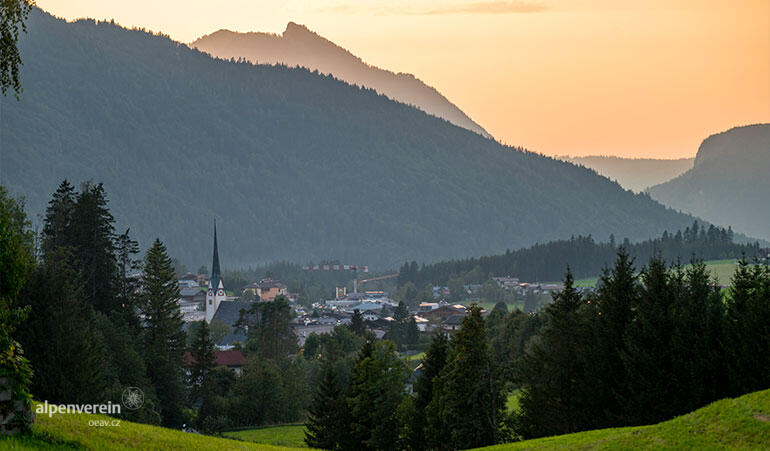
x=72 y=431
x=740 y=423
x=292 y=435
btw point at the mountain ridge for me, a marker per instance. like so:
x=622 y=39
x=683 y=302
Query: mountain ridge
x=300 y=46
x=293 y=164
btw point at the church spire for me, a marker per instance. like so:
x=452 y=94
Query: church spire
x=215 y=277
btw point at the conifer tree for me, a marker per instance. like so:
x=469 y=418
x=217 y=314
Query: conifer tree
x=554 y=369
x=202 y=352
x=327 y=422
x=648 y=355
x=747 y=333
x=428 y=426
x=616 y=299
x=376 y=390
x=357 y=323
x=163 y=336
x=471 y=402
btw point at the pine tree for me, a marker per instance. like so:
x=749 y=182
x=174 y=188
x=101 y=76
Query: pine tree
x=58 y=218
x=202 y=352
x=471 y=400
x=163 y=336
x=552 y=382
x=327 y=422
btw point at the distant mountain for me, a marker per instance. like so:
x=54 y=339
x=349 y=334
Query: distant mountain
x=636 y=174
x=298 y=46
x=729 y=183
x=294 y=165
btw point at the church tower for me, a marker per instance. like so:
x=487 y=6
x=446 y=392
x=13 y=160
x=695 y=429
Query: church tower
x=216 y=292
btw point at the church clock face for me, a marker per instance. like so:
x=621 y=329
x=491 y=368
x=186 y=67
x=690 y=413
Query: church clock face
x=211 y=293
x=221 y=292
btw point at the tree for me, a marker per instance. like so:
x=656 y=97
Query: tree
x=428 y=425
x=269 y=330
x=471 y=402
x=202 y=352
x=60 y=336
x=16 y=262
x=747 y=334
x=163 y=336
x=327 y=422
x=357 y=323
x=647 y=354
x=12 y=16
x=376 y=390
x=553 y=369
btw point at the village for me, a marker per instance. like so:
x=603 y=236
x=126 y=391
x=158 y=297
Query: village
x=205 y=297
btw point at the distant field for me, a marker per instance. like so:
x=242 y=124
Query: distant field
x=292 y=435
x=512 y=403
x=740 y=423
x=722 y=269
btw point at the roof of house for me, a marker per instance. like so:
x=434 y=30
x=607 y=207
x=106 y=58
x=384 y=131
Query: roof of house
x=229 y=312
x=221 y=358
x=455 y=320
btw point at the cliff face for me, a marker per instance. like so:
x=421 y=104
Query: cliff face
x=729 y=183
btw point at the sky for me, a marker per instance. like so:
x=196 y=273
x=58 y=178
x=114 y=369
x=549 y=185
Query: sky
x=647 y=79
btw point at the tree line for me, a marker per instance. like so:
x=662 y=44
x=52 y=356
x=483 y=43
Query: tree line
x=586 y=257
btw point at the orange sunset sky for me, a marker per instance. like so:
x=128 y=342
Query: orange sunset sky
x=560 y=77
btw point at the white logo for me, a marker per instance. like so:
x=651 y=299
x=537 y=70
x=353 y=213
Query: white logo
x=133 y=398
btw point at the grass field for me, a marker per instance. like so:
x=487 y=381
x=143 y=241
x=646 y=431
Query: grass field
x=740 y=423
x=291 y=435
x=722 y=269
x=73 y=431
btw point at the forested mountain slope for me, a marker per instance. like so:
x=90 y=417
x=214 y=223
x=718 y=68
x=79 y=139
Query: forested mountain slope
x=293 y=165
x=729 y=183
x=298 y=46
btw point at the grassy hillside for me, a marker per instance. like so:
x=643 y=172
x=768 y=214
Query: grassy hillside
x=722 y=269
x=294 y=165
x=292 y=435
x=72 y=431
x=741 y=423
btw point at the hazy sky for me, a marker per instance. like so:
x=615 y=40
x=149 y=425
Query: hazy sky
x=631 y=78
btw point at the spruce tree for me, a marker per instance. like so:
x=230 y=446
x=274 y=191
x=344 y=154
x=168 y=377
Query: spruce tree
x=163 y=337
x=615 y=300
x=357 y=323
x=747 y=333
x=427 y=427
x=554 y=369
x=202 y=352
x=647 y=355
x=376 y=390
x=327 y=421
x=472 y=403
x=60 y=336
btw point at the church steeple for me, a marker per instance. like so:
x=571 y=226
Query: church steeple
x=215 y=277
